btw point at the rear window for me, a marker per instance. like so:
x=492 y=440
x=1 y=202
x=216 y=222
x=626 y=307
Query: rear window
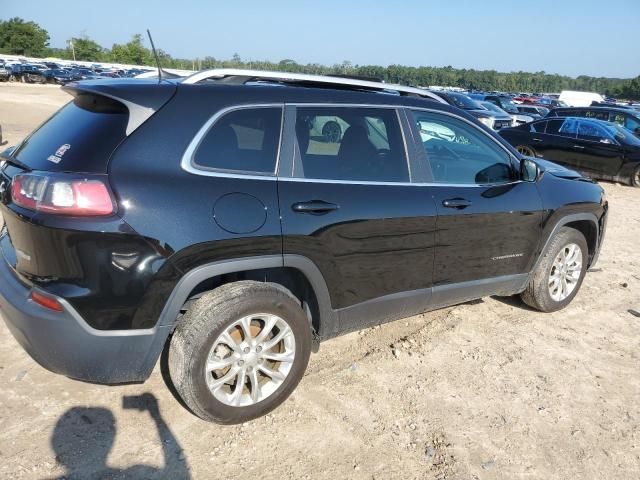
x=80 y=137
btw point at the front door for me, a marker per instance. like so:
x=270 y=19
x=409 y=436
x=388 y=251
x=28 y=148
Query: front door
x=489 y=221
x=599 y=151
x=350 y=207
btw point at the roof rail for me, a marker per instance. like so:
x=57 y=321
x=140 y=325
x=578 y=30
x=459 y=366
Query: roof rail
x=236 y=75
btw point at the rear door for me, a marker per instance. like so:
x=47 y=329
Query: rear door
x=348 y=204
x=488 y=220
x=560 y=139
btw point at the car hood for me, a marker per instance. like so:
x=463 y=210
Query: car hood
x=557 y=170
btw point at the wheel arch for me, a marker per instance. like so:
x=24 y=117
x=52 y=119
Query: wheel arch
x=298 y=274
x=585 y=223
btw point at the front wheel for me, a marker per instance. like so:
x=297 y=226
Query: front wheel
x=559 y=274
x=239 y=351
x=526 y=150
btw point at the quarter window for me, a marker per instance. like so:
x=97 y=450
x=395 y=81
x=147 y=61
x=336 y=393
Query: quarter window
x=244 y=140
x=538 y=127
x=459 y=153
x=349 y=143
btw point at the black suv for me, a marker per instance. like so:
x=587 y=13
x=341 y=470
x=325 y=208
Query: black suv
x=211 y=219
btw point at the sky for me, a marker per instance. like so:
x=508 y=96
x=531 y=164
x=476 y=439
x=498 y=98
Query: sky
x=569 y=37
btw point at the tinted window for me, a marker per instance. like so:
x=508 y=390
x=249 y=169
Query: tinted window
x=357 y=144
x=553 y=126
x=538 y=127
x=632 y=123
x=592 y=132
x=569 y=128
x=80 y=137
x=461 y=153
x=597 y=114
x=244 y=140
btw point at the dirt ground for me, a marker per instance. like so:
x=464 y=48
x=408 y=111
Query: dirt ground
x=486 y=390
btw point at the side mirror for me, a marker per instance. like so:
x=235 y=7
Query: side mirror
x=529 y=170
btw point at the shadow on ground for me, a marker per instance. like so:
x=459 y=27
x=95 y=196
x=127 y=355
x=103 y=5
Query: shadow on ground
x=84 y=436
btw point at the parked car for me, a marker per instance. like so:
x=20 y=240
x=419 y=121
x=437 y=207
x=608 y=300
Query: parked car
x=601 y=149
x=516 y=118
x=4 y=73
x=58 y=75
x=502 y=101
x=628 y=118
x=579 y=99
x=235 y=245
x=550 y=103
x=491 y=119
x=534 y=111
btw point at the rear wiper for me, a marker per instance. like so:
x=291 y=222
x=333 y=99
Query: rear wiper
x=15 y=162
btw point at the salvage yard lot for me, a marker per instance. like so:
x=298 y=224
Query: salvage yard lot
x=484 y=390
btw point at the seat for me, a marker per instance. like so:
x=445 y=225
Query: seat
x=356 y=153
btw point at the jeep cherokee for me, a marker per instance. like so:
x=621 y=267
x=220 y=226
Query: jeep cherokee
x=208 y=220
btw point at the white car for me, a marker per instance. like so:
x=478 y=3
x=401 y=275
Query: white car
x=516 y=118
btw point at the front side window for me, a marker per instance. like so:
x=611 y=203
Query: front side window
x=593 y=132
x=244 y=140
x=460 y=153
x=351 y=144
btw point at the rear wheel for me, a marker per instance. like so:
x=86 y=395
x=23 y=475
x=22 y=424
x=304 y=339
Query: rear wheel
x=559 y=275
x=526 y=150
x=239 y=351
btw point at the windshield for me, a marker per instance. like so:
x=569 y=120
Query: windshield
x=464 y=102
x=508 y=105
x=622 y=134
x=492 y=107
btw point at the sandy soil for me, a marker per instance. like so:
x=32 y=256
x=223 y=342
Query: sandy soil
x=488 y=390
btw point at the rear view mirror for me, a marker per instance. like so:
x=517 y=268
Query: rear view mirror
x=529 y=170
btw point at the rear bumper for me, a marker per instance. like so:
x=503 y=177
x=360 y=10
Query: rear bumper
x=64 y=343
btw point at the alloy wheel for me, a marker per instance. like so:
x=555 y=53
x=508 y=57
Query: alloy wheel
x=250 y=360
x=565 y=272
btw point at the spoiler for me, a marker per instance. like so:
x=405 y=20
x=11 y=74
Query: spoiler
x=142 y=98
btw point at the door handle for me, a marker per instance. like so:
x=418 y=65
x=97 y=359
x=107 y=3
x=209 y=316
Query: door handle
x=537 y=140
x=579 y=147
x=314 y=207
x=458 y=203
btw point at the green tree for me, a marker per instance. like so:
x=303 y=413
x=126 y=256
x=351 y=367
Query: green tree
x=85 y=49
x=18 y=37
x=133 y=52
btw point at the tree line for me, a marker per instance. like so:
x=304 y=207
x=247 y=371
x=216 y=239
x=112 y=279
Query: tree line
x=20 y=37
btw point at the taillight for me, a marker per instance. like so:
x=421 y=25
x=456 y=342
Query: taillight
x=59 y=195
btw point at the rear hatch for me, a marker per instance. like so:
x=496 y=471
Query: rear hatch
x=69 y=155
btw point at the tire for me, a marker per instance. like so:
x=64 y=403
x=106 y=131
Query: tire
x=202 y=328
x=635 y=177
x=538 y=293
x=526 y=150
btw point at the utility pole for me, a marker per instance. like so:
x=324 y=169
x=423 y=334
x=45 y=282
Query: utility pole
x=73 y=50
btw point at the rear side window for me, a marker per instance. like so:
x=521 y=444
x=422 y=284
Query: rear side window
x=569 y=128
x=244 y=140
x=538 y=127
x=80 y=137
x=349 y=143
x=598 y=114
